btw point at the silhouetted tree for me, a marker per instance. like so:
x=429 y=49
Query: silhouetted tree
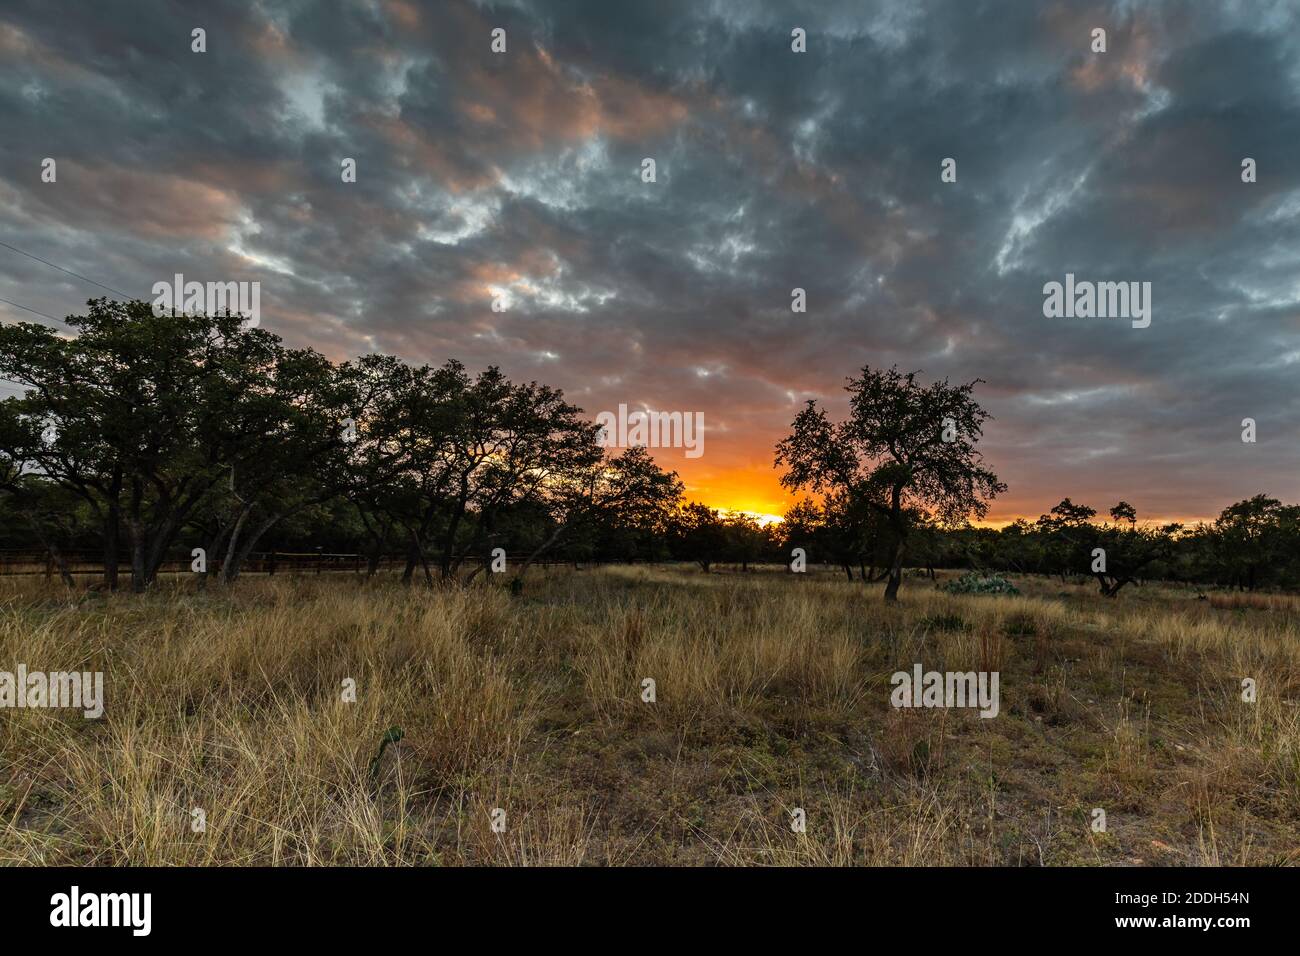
x=699 y=535
x=904 y=446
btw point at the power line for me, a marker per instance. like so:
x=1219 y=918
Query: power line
x=32 y=311
x=76 y=275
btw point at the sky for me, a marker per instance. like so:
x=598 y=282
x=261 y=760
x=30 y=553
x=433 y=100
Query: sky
x=517 y=177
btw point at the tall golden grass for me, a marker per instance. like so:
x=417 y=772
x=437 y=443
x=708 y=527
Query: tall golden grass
x=772 y=693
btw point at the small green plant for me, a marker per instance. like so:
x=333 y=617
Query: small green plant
x=391 y=736
x=976 y=583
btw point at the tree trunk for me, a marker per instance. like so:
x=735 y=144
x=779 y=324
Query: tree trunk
x=62 y=564
x=210 y=548
x=449 y=546
x=895 y=573
x=412 y=559
x=162 y=541
x=137 y=558
x=231 y=571
x=232 y=546
x=112 y=529
x=548 y=543
x=899 y=526
x=424 y=562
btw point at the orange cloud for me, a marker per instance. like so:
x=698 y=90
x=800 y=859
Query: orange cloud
x=148 y=203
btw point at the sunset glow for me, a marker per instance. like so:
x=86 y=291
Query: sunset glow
x=792 y=234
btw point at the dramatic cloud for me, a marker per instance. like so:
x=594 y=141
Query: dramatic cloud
x=517 y=176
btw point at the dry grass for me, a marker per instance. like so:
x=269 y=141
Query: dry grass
x=772 y=693
x=1254 y=601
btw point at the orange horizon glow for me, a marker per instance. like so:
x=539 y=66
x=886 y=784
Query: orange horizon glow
x=757 y=492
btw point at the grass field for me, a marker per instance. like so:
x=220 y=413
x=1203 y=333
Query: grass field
x=772 y=693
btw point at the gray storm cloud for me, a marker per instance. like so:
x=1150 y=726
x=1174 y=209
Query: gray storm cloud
x=518 y=175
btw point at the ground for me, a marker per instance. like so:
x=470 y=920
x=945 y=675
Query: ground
x=772 y=693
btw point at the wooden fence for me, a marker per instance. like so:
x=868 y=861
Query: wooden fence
x=258 y=562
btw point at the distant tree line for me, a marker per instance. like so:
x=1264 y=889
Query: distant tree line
x=900 y=478
x=141 y=434
x=142 y=437
x=1252 y=544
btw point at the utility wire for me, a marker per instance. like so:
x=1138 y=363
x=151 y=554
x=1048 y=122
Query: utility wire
x=76 y=275
x=32 y=311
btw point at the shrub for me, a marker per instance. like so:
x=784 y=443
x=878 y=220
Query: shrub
x=975 y=583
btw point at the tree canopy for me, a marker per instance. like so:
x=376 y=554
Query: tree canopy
x=905 y=449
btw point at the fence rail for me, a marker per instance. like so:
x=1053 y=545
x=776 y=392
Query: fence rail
x=258 y=562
